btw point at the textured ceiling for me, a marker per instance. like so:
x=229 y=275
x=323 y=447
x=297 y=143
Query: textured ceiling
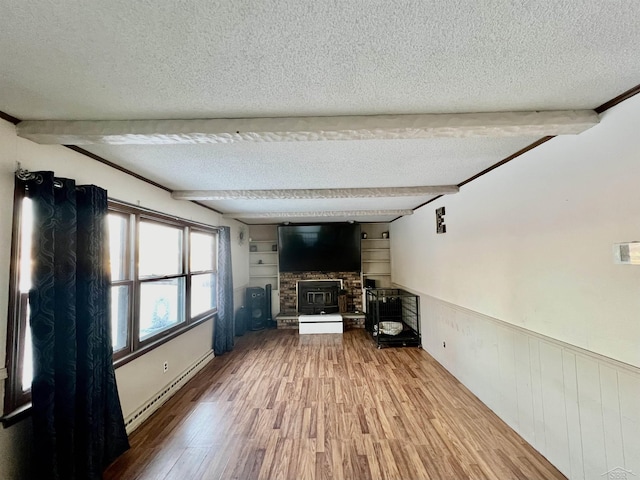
x=146 y=59
x=339 y=164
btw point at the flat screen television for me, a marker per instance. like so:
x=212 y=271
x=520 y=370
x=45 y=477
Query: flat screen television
x=327 y=247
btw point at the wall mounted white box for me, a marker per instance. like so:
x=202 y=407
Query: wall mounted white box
x=627 y=253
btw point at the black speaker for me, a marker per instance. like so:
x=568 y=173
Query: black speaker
x=256 y=311
x=369 y=283
x=269 y=314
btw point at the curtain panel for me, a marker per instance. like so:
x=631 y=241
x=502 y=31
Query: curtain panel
x=223 y=328
x=78 y=423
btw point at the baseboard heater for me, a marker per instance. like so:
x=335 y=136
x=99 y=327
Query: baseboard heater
x=136 y=419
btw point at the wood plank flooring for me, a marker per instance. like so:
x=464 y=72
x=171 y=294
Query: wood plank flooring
x=284 y=406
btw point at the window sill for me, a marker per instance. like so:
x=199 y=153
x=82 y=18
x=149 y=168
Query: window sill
x=16 y=416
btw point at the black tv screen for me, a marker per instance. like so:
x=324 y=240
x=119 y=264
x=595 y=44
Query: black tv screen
x=325 y=247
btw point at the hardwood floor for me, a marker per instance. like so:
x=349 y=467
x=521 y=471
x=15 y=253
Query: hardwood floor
x=284 y=406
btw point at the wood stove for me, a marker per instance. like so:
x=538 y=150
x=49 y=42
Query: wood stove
x=318 y=296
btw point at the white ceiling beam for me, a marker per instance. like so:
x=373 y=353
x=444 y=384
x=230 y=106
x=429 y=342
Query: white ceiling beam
x=347 y=213
x=295 y=129
x=311 y=193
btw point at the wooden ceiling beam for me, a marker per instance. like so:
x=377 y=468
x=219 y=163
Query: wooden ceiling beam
x=305 y=129
x=311 y=193
x=328 y=213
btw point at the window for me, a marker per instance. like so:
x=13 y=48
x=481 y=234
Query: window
x=163 y=282
x=203 y=272
x=19 y=352
x=163 y=278
x=121 y=283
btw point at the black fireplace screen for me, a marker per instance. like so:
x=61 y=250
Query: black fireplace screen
x=318 y=297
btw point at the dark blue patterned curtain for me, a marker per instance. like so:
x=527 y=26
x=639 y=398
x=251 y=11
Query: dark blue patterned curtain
x=77 y=418
x=223 y=328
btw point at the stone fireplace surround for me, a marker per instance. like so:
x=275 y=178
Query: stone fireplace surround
x=351 y=282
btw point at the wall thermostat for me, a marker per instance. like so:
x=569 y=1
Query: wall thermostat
x=627 y=253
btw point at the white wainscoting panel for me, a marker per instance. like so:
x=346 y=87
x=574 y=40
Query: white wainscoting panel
x=540 y=441
x=581 y=410
x=591 y=422
x=629 y=390
x=553 y=405
x=524 y=388
x=573 y=414
x=611 y=415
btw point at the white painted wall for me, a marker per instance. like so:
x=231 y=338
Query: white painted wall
x=525 y=274
x=142 y=378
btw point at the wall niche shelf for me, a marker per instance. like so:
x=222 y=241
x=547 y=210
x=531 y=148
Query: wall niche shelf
x=376 y=254
x=263 y=256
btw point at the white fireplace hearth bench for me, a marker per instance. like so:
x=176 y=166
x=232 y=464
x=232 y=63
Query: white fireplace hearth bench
x=320 y=323
x=350 y=320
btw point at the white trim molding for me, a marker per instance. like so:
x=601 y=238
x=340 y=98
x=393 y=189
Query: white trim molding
x=306 y=129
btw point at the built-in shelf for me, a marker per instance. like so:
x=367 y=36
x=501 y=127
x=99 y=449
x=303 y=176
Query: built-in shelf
x=263 y=239
x=376 y=254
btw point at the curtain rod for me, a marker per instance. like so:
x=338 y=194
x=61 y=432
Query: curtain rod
x=26 y=175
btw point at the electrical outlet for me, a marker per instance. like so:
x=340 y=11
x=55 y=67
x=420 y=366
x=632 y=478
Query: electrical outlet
x=165 y=367
x=444 y=345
